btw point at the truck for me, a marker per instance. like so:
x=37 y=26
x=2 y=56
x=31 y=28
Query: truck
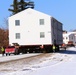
x=9 y=50
x=12 y=50
x=35 y=32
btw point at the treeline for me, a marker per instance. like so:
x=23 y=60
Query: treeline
x=4 y=39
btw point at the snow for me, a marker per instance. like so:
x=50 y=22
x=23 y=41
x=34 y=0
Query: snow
x=62 y=63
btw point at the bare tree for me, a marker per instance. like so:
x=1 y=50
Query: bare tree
x=3 y=37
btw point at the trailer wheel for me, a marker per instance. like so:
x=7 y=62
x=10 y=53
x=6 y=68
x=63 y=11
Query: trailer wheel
x=6 y=54
x=9 y=54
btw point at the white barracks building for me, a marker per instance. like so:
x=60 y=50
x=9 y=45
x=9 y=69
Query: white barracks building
x=69 y=37
x=31 y=27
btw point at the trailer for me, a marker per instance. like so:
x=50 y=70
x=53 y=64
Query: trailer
x=34 y=32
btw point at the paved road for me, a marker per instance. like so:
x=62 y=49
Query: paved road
x=15 y=57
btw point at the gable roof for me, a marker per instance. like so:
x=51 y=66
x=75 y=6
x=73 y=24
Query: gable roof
x=29 y=10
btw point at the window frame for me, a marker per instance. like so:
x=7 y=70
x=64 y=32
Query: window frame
x=17 y=35
x=17 y=22
x=42 y=34
x=41 y=21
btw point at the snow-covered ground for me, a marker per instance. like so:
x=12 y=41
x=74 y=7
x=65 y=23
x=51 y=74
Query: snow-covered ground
x=62 y=63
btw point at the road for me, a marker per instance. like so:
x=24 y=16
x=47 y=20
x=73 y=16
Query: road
x=15 y=57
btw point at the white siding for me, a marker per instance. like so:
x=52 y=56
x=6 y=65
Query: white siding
x=69 y=36
x=29 y=28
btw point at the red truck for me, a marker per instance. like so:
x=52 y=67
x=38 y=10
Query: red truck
x=10 y=50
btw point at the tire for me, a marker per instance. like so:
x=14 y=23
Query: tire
x=6 y=54
x=9 y=54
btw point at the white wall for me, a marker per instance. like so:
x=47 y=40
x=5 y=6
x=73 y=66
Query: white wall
x=69 y=36
x=65 y=38
x=29 y=28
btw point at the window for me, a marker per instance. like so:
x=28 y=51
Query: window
x=41 y=21
x=66 y=38
x=42 y=34
x=17 y=35
x=17 y=22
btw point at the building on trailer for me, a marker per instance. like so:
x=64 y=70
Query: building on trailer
x=31 y=28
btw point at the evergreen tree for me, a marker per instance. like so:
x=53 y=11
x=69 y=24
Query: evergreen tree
x=15 y=7
x=30 y=4
x=24 y=5
x=21 y=5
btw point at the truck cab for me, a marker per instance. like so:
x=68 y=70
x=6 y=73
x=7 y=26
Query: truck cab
x=9 y=50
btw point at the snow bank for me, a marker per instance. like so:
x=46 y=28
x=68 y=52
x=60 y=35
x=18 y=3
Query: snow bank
x=58 y=64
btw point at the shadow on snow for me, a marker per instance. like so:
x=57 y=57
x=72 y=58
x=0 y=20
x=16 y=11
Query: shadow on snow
x=67 y=51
